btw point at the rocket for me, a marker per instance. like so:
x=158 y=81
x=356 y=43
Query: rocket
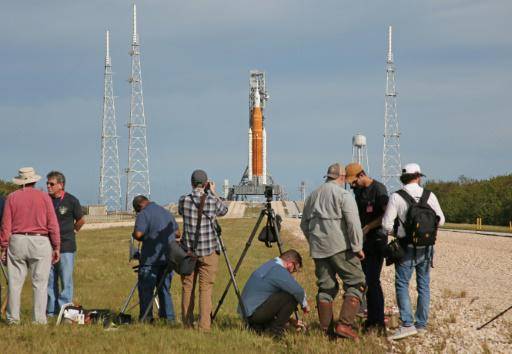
x=257 y=169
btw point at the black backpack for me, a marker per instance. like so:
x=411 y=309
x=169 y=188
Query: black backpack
x=421 y=220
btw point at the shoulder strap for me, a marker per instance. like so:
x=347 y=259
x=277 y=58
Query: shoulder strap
x=407 y=197
x=200 y=208
x=424 y=197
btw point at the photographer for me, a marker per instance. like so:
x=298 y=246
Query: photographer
x=154 y=227
x=271 y=294
x=207 y=251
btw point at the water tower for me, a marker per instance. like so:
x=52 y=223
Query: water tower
x=360 y=151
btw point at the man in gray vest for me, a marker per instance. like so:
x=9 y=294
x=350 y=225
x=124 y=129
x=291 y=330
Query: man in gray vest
x=331 y=224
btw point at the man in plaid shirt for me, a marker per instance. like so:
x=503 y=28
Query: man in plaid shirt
x=207 y=248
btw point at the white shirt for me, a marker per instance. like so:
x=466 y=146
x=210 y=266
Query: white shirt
x=397 y=206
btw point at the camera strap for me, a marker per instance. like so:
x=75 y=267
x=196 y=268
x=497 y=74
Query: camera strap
x=200 y=211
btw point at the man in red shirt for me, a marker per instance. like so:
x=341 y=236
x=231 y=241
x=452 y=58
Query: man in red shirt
x=30 y=240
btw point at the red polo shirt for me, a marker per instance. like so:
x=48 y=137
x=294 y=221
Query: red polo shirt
x=29 y=210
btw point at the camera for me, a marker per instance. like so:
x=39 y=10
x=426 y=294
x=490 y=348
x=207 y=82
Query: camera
x=207 y=186
x=269 y=192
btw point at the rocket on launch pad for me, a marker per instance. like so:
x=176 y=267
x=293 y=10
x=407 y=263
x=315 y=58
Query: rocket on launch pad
x=257 y=169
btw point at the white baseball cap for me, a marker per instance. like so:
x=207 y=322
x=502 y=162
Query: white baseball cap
x=412 y=168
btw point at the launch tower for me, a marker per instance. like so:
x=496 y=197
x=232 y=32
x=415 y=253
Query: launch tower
x=137 y=172
x=391 y=164
x=256 y=175
x=110 y=184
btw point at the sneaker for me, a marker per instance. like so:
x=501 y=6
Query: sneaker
x=421 y=331
x=403 y=332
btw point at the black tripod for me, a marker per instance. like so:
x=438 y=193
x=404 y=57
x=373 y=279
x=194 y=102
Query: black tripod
x=231 y=275
x=124 y=309
x=272 y=227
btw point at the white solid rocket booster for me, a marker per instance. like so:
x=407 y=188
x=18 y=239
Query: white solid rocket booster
x=264 y=153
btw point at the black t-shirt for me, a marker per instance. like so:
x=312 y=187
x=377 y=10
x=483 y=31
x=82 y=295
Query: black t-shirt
x=371 y=203
x=68 y=210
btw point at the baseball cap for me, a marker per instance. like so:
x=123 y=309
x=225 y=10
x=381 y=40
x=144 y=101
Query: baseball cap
x=335 y=170
x=352 y=170
x=412 y=168
x=198 y=177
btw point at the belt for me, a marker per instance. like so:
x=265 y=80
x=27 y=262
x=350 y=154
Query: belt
x=30 y=234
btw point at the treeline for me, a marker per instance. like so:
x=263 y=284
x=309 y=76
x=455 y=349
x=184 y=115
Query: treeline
x=6 y=188
x=466 y=199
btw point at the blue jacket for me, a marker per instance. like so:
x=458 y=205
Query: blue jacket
x=269 y=279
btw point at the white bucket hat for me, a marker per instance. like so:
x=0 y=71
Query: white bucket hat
x=26 y=175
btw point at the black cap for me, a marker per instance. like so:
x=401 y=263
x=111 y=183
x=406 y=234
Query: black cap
x=198 y=177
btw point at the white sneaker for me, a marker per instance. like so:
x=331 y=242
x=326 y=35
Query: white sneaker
x=403 y=332
x=421 y=331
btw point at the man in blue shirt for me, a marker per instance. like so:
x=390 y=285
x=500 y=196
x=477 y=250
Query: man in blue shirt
x=154 y=227
x=271 y=294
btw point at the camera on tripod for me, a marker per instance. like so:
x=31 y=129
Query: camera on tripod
x=269 y=192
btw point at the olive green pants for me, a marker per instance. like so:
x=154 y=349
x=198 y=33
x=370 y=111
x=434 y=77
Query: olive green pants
x=348 y=267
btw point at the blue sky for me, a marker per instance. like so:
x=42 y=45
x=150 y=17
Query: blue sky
x=325 y=65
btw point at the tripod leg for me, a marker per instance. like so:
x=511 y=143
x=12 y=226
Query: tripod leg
x=125 y=306
x=239 y=263
x=232 y=276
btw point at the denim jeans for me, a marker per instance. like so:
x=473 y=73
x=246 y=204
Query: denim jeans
x=403 y=273
x=63 y=294
x=149 y=278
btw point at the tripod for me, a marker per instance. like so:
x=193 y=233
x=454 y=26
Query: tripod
x=271 y=224
x=125 y=308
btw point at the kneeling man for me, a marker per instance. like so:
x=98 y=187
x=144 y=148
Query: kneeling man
x=272 y=294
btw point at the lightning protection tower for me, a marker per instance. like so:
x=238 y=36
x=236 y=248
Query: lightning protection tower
x=360 y=151
x=391 y=164
x=137 y=173
x=110 y=184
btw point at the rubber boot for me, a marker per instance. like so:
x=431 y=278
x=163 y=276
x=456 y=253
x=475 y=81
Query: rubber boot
x=325 y=315
x=348 y=314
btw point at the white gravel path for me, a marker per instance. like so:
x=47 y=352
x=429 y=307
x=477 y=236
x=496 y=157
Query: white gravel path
x=470 y=283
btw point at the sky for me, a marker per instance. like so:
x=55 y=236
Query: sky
x=325 y=68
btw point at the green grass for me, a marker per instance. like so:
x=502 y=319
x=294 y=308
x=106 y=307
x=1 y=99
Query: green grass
x=473 y=227
x=103 y=279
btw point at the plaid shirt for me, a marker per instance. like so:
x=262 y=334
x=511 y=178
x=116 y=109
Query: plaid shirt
x=213 y=206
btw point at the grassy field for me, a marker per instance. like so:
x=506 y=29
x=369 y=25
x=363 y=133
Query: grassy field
x=103 y=279
x=491 y=228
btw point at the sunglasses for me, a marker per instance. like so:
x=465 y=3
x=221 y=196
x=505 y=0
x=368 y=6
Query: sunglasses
x=51 y=184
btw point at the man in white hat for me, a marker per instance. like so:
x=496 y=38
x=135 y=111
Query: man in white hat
x=417 y=258
x=30 y=240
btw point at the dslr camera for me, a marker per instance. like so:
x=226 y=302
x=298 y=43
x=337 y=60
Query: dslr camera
x=269 y=192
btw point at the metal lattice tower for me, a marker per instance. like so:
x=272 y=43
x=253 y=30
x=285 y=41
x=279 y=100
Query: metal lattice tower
x=138 y=166
x=391 y=164
x=110 y=184
x=302 y=190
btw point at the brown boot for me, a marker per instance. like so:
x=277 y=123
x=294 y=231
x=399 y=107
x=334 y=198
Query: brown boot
x=324 y=314
x=348 y=314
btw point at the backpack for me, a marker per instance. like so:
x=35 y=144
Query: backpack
x=421 y=220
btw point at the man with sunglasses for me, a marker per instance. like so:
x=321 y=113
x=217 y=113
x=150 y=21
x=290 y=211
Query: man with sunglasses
x=71 y=219
x=371 y=198
x=272 y=294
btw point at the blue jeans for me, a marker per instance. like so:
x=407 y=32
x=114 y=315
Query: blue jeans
x=149 y=278
x=403 y=273
x=59 y=296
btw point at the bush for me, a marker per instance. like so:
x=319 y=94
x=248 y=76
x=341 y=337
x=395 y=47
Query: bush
x=466 y=199
x=7 y=187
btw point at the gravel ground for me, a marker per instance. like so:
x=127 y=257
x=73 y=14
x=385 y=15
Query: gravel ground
x=471 y=282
